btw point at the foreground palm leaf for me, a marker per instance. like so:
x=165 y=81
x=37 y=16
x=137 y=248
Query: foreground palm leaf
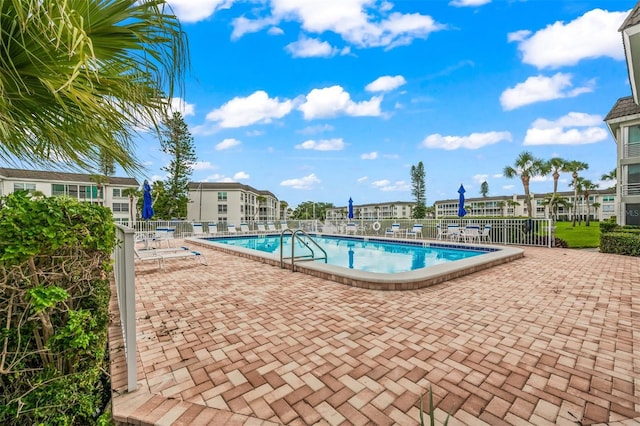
x=78 y=76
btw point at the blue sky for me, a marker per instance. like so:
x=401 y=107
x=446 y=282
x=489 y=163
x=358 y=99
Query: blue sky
x=329 y=99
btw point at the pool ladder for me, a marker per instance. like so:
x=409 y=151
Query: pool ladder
x=298 y=235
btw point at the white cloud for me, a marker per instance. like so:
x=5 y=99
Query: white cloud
x=575 y=128
x=183 y=107
x=255 y=132
x=322 y=145
x=541 y=88
x=385 y=83
x=507 y=187
x=473 y=141
x=227 y=143
x=592 y=35
x=256 y=108
x=241 y=176
x=320 y=128
x=386 y=185
x=306 y=182
x=369 y=155
x=539 y=178
x=362 y=179
x=332 y=101
x=497 y=175
x=242 y=26
x=465 y=3
x=275 y=31
x=518 y=35
x=480 y=178
x=310 y=47
x=194 y=11
x=362 y=23
x=203 y=165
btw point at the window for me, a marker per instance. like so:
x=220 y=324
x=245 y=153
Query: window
x=608 y=208
x=222 y=196
x=633 y=142
x=117 y=192
x=608 y=199
x=120 y=207
x=24 y=187
x=222 y=208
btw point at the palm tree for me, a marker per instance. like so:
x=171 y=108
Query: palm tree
x=132 y=193
x=555 y=166
x=596 y=206
x=587 y=188
x=611 y=176
x=77 y=76
x=513 y=203
x=526 y=167
x=501 y=206
x=575 y=167
x=283 y=206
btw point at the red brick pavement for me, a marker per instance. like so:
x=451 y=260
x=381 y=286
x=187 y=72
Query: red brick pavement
x=553 y=338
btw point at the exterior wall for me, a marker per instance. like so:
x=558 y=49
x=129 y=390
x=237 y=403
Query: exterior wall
x=231 y=203
x=627 y=169
x=506 y=206
x=395 y=210
x=118 y=203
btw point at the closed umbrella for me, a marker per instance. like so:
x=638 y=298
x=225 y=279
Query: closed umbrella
x=350 y=214
x=147 y=207
x=461 y=211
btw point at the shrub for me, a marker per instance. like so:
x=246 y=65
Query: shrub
x=608 y=226
x=626 y=243
x=54 y=263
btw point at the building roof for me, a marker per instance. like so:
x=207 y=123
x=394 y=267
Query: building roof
x=62 y=176
x=622 y=108
x=632 y=19
x=219 y=186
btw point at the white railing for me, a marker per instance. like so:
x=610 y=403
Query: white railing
x=506 y=231
x=631 y=189
x=124 y=276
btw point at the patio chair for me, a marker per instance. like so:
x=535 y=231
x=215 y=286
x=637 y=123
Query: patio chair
x=471 y=233
x=231 y=228
x=415 y=231
x=453 y=232
x=283 y=225
x=164 y=234
x=162 y=255
x=351 y=229
x=244 y=228
x=442 y=233
x=261 y=228
x=212 y=228
x=485 y=234
x=271 y=227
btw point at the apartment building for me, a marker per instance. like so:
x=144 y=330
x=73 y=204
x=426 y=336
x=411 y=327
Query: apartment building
x=230 y=202
x=624 y=124
x=602 y=205
x=75 y=185
x=375 y=211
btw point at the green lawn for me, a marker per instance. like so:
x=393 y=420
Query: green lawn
x=580 y=236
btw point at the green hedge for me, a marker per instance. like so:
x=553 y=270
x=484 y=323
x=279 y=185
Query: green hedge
x=55 y=260
x=608 y=226
x=626 y=243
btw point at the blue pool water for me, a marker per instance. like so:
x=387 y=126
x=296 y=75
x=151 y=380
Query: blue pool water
x=372 y=256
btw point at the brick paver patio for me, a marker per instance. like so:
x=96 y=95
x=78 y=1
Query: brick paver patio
x=553 y=338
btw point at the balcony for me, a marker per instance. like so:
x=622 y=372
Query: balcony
x=631 y=189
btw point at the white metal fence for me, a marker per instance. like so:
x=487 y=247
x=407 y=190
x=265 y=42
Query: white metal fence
x=512 y=231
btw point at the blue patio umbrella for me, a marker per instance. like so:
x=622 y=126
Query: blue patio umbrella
x=461 y=210
x=350 y=214
x=147 y=208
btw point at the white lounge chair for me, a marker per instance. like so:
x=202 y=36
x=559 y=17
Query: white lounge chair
x=197 y=229
x=164 y=234
x=244 y=228
x=162 y=255
x=271 y=227
x=351 y=229
x=261 y=228
x=416 y=231
x=395 y=231
x=283 y=225
x=231 y=228
x=212 y=228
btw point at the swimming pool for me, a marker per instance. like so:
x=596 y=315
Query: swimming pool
x=387 y=257
x=491 y=255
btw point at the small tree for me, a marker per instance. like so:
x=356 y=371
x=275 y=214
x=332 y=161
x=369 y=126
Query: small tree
x=526 y=167
x=418 y=190
x=575 y=167
x=178 y=144
x=132 y=193
x=484 y=189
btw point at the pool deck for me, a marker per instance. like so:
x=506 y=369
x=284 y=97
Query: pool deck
x=551 y=338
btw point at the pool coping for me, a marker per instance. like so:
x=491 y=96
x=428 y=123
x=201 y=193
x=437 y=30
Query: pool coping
x=410 y=280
